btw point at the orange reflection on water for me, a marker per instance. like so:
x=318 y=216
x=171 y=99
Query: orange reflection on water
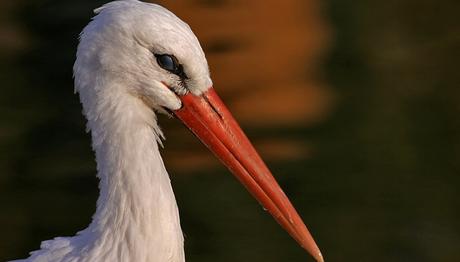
x=265 y=61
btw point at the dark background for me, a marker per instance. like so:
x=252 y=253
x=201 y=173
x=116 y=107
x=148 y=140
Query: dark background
x=354 y=105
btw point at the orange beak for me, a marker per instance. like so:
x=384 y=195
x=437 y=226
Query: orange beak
x=209 y=119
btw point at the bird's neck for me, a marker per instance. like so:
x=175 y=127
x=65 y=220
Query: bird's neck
x=136 y=217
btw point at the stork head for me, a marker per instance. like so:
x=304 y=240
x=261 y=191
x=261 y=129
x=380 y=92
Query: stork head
x=155 y=58
x=148 y=47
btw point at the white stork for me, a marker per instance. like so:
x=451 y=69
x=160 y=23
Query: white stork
x=134 y=60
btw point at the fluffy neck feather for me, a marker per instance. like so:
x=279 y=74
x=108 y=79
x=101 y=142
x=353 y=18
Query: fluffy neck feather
x=136 y=212
x=136 y=217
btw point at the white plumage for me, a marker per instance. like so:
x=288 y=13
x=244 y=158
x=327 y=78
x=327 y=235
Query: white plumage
x=122 y=84
x=136 y=217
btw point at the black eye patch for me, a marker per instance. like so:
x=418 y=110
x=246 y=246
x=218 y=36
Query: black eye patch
x=170 y=64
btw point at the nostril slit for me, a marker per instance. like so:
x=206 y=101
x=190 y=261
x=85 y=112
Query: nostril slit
x=213 y=108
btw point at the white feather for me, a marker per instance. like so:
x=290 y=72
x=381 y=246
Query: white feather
x=119 y=82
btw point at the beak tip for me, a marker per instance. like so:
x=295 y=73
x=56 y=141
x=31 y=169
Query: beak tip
x=319 y=257
x=313 y=250
x=208 y=118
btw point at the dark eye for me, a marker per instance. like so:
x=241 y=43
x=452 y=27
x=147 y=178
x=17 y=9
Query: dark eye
x=167 y=62
x=170 y=63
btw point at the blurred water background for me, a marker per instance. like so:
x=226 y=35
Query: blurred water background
x=354 y=105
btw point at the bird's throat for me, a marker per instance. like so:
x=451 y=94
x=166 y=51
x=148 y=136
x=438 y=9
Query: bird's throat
x=137 y=216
